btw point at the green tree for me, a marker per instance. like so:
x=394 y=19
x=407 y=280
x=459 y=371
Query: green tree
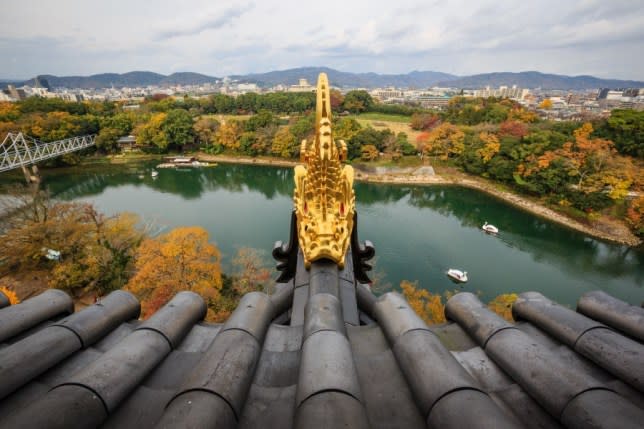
x=262 y=119
x=303 y=127
x=151 y=133
x=205 y=129
x=177 y=127
x=107 y=139
x=283 y=143
x=626 y=129
x=345 y=129
x=406 y=147
x=357 y=101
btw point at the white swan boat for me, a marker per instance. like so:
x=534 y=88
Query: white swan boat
x=457 y=275
x=490 y=228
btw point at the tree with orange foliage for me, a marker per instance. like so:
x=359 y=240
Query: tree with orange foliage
x=502 y=305
x=522 y=115
x=513 y=129
x=431 y=309
x=427 y=305
x=594 y=162
x=424 y=121
x=444 y=141
x=336 y=100
x=13 y=298
x=546 y=104
x=635 y=215
x=250 y=272
x=182 y=259
x=491 y=148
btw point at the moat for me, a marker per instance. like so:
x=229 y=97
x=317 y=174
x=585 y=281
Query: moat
x=419 y=232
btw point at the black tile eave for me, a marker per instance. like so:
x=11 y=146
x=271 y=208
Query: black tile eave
x=435 y=377
x=85 y=399
x=31 y=356
x=568 y=393
x=617 y=314
x=616 y=353
x=216 y=390
x=327 y=379
x=20 y=317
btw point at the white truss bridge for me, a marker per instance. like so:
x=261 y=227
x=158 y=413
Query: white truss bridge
x=18 y=150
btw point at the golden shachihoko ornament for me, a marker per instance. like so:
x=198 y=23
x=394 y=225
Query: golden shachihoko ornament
x=324 y=198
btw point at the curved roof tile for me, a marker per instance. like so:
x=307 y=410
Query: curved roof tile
x=322 y=351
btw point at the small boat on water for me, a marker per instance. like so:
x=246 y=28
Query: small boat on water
x=154 y=173
x=490 y=228
x=178 y=161
x=457 y=275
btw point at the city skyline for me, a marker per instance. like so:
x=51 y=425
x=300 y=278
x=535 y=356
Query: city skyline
x=576 y=38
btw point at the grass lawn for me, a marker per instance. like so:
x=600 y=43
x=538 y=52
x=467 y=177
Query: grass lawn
x=374 y=116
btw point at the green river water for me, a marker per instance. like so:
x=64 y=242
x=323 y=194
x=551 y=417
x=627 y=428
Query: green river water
x=419 y=232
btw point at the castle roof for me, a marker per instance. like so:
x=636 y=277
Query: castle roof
x=322 y=351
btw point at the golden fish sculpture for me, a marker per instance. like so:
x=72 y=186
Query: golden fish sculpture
x=324 y=198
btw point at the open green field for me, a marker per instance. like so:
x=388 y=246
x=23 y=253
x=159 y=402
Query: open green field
x=373 y=116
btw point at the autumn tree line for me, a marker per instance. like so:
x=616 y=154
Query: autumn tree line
x=584 y=168
x=99 y=254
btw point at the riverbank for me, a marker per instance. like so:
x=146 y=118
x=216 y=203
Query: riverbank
x=276 y=162
x=603 y=228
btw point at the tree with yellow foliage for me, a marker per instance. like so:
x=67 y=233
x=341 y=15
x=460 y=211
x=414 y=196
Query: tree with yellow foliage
x=229 y=134
x=283 y=143
x=502 y=305
x=151 y=133
x=491 y=148
x=95 y=251
x=594 y=162
x=427 y=305
x=369 y=152
x=431 y=309
x=546 y=104
x=182 y=259
x=522 y=115
x=444 y=141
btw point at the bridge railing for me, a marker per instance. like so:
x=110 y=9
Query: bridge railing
x=19 y=150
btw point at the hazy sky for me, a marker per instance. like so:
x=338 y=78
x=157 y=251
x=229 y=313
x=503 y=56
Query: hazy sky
x=604 y=38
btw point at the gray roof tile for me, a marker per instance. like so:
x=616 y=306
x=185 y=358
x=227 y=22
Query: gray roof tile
x=322 y=351
x=622 y=316
x=20 y=317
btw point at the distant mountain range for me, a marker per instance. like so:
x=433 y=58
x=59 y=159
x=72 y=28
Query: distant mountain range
x=415 y=79
x=534 y=79
x=130 y=79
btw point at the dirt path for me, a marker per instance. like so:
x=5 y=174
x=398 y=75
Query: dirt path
x=278 y=162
